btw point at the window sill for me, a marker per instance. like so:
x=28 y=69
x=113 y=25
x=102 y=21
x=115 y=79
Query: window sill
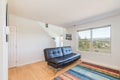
x=90 y=52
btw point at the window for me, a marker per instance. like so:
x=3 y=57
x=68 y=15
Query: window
x=95 y=40
x=84 y=40
x=59 y=41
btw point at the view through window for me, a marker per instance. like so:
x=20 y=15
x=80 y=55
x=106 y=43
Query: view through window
x=95 y=40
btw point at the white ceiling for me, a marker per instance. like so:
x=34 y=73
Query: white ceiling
x=62 y=12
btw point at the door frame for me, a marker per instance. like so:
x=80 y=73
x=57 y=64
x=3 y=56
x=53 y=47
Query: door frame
x=3 y=43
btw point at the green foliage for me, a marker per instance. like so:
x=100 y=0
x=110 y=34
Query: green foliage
x=102 y=44
x=98 y=45
x=84 y=44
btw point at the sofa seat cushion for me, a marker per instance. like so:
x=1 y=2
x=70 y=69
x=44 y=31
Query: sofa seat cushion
x=65 y=58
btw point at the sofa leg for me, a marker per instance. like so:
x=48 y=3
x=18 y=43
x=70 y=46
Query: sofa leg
x=54 y=69
x=50 y=67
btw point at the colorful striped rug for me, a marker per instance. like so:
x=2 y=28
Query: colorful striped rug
x=86 y=71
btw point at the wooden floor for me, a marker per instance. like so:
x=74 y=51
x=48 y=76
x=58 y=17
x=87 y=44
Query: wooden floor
x=36 y=71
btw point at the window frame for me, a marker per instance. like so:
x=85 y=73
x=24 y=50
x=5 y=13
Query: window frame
x=91 y=38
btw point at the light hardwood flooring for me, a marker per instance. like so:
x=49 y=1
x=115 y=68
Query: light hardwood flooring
x=36 y=71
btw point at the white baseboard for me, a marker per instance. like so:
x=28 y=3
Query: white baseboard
x=101 y=64
x=22 y=64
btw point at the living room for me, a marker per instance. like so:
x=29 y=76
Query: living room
x=89 y=28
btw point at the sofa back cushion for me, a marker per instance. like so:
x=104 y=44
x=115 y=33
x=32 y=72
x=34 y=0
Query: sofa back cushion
x=66 y=50
x=52 y=53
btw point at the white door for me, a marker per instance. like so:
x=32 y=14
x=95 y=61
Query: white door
x=12 y=45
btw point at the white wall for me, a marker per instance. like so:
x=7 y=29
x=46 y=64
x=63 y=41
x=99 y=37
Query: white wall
x=56 y=32
x=31 y=40
x=3 y=46
x=111 y=59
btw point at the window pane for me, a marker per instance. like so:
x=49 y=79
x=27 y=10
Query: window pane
x=84 y=40
x=101 y=39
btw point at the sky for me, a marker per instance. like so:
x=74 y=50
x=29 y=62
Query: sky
x=96 y=33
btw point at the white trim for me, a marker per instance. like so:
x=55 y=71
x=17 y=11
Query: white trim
x=35 y=61
x=104 y=65
x=3 y=43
